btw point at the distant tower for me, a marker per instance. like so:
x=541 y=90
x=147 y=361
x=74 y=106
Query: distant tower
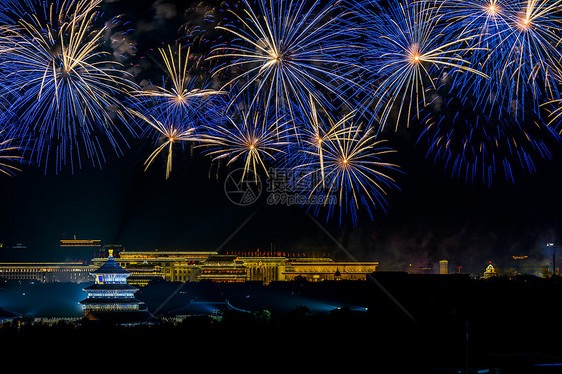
x=443 y=267
x=111 y=298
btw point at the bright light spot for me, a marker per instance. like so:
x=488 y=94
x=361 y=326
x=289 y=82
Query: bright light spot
x=276 y=57
x=492 y=9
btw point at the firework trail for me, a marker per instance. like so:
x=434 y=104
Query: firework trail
x=67 y=89
x=12 y=10
x=6 y=155
x=170 y=131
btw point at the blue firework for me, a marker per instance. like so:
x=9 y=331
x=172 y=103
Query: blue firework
x=476 y=147
x=12 y=10
x=247 y=135
x=288 y=51
x=66 y=90
x=344 y=166
x=407 y=51
x=517 y=48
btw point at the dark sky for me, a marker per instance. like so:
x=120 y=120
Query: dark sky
x=430 y=218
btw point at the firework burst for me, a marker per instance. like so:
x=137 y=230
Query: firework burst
x=350 y=162
x=66 y=87
x=174 y=111
x=520 y=52
x=186 y=96
x=408 y=50
x=170 y=131
x=246 y=134
x=288 y=51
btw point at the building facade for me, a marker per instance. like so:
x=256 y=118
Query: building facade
x=79 y=249
x=326 y=269
x=172 y=266
x=47 y=272
x=443 y=267
x=210 y=266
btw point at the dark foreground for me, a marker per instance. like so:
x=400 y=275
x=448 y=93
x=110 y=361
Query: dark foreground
x=393 y=323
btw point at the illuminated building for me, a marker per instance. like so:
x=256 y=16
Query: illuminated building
x=223 y=268
x=80 y=249
x=265 y=269
x=443 y=267
x=172 y=266
x=490 y=271
x=80 y=243
x=326 y=269
x=47 y=272
x=178 y=266
x=112 y=299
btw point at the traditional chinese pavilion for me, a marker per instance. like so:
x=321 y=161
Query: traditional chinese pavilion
x=111 y=299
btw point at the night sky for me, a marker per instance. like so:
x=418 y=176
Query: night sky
x=431 y=217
